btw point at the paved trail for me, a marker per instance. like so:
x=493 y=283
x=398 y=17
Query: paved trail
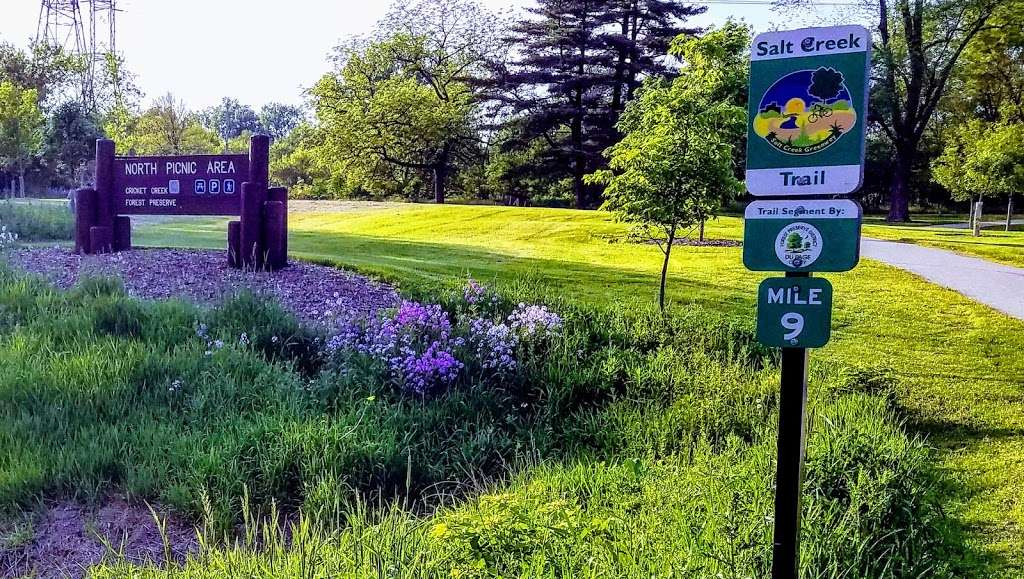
x=984 y=224
x=999 y=286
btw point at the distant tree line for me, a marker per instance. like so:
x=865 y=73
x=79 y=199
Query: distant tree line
x=446 y=99
x=48 y=131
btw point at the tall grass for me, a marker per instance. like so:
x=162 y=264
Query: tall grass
x=642 y=445
x=37 y=221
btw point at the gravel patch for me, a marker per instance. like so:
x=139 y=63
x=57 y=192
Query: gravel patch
x=203 y=276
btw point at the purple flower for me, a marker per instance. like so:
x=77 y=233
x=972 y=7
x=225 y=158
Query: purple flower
x=493 y=344
x=412 y=342
x=474 y=292
x=435 y=366
x=534 y=321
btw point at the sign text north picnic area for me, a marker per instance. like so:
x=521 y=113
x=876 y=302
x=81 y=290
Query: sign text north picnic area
x=182 y=185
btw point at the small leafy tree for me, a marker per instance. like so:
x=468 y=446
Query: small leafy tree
x=674 y=166
x=983 y=159
x=21 y=129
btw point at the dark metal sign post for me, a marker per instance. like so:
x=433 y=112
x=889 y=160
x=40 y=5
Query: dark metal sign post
x=789 y=477
x=805 y=146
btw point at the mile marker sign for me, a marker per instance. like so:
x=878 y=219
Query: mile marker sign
x=794 y=312
x=807 y=111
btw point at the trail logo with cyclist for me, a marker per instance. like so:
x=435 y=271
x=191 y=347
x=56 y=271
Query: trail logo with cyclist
x=805 y=111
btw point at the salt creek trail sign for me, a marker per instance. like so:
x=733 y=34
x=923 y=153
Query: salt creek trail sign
x=802 y=235
x=805 y=138
x=187 y=185
x=807 y=111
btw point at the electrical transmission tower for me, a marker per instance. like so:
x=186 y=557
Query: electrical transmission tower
x=83 y=28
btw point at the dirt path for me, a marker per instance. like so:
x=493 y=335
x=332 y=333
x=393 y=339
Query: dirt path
x=996 y=285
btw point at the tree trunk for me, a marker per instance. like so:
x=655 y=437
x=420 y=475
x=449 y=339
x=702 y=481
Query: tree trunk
x=21 y=182
x=976 y=229
x=1009 y=212
x=578 y=164
x=702 y=221
x=899 y=189
x=664 y=266
x=440 y=177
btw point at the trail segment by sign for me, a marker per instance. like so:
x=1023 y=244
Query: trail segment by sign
x=801 y=235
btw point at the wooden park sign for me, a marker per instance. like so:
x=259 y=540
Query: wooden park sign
x=187 y=185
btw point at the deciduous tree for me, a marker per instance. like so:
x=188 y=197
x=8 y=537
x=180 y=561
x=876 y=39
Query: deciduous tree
x=674 y=165
x=21 y=129
x=169 y=128
x=983 y=159
x=70 y=142
x=230 y=119
x=918 y=45
x=279 y=120
x=405 y=102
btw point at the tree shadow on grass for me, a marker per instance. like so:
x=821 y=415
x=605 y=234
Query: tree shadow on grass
x=433 y=264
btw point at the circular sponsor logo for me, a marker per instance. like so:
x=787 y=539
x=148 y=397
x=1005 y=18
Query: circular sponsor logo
x=806 y=111
x=798 y=244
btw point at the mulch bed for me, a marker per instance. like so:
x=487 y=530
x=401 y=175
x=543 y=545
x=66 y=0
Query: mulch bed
x=203 y=276
x=67 y=538
x=686 y=241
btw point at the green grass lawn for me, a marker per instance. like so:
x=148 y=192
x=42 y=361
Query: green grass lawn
x=959 y=363
x=994 y=243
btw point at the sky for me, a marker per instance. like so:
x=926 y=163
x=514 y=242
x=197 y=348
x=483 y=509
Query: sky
x=255 y=50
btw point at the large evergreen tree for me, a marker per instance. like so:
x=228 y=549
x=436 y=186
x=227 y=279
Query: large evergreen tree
x=574 y=65
x=639 y=37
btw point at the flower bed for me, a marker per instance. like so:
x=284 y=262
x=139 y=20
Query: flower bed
x=423 y=347
x=419 y=348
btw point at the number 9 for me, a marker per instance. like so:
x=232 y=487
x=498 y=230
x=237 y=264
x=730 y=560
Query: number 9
x=793 y=322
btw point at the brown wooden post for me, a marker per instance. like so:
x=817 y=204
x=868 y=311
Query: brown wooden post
x=252 y=250
x=85 y=219
x=259 y=159
x=105 y=210
x=280 y=194
x=234 y=243
x=122 y=233
x=101 y=239
x=251 y=229
x=273 y=221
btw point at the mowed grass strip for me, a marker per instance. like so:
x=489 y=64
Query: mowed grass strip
x=959 y=362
